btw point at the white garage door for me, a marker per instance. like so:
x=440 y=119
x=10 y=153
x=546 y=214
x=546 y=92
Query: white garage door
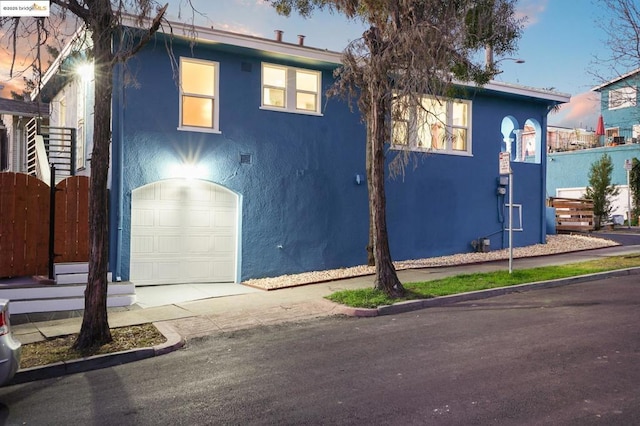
x=183 y=231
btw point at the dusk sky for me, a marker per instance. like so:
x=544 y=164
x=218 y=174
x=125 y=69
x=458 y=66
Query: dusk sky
x=560 y=42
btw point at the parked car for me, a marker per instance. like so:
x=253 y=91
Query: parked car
x=10 y=348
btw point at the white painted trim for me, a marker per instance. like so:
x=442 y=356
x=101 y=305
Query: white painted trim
x=514 y=89
x=210 y=35
x=615 y=80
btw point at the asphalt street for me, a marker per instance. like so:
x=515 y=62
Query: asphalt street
x=567 y=355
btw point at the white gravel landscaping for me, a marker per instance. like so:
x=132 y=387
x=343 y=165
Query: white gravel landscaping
x=555 y=244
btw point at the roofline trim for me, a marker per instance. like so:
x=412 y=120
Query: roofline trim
x=241 y=40
x=615 y=80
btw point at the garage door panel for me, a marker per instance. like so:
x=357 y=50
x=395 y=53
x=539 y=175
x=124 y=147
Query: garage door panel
x=142 y=244
x=198 y=244
x=224 y=218
x=225 y=198
x=221 y=271
x=170 y=218
x=170 y=271
x=142 y=270
x=183 y=233
x=221 y=244
x=171 y=244
x=143 y=217
x=198 y=218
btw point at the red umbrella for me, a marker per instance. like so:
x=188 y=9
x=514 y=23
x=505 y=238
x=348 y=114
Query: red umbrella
x=600 y=126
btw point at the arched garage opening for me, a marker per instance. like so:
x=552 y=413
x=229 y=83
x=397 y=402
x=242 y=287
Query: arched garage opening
x=183 y=231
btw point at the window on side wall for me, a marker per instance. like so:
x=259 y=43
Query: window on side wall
x=290 y=89
x=623 y=97
x=435 y=125
x=199 y=99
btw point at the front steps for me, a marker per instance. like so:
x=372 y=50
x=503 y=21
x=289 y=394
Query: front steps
x=73 y=273
x=66 y=293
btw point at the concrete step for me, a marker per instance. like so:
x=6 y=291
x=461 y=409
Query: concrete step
x=73 y=273
x=50 y=298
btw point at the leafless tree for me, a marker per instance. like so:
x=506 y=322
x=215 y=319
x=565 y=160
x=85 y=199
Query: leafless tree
x=101 y=20
x=412 y=48
x=622 y=58
x=622 y=27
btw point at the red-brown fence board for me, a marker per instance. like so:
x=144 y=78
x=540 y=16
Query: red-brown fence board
x=7 y=231
x=24 y=223
x=37 y=226
x=72 y=220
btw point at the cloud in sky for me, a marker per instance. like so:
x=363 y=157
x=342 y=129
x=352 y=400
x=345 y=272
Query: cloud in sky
x=581 y=112
x=531 y=10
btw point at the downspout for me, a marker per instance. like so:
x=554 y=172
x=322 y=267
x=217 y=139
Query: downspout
x=120 y=167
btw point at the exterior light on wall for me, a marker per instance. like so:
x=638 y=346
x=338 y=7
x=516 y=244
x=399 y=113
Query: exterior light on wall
x=85 y=71
x=189 y=171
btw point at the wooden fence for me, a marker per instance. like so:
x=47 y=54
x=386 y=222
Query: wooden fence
x=573 y=214
x=24 y=223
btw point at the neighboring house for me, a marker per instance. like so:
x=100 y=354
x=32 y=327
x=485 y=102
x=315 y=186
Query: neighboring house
x=619 y=108
x=568 y=172
x=232 y=164
x=14 y=118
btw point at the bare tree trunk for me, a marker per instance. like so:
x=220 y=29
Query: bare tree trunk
x=95 y=327
x=371 y=257
x=386 y=277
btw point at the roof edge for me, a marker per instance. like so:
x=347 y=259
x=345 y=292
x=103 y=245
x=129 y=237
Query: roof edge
x=615 y=80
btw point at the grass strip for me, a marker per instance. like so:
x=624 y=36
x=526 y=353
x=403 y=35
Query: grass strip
x=371 y=298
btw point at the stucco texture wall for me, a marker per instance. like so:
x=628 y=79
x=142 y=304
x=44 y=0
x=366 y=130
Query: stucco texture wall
x=300 y=190
x=571 y=169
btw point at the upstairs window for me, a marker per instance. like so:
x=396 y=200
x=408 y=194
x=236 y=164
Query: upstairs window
x=199 y=98
x=623 y=97
x=435 y=125
x=290 y=89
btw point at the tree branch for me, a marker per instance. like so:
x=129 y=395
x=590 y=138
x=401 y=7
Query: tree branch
x=74 y=7
x=155 y=24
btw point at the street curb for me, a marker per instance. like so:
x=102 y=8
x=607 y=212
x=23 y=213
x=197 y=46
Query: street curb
x=173 y=343
x=413 y=305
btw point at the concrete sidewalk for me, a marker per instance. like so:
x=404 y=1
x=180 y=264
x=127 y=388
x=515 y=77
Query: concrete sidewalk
x=206 y=317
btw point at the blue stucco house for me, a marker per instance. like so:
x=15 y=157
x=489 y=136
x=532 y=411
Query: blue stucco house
x=230 y=163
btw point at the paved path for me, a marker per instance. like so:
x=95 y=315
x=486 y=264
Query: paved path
x=183 y=321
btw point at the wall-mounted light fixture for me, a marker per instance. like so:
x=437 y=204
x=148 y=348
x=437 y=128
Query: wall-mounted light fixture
x=85 y=71
x=188 y=171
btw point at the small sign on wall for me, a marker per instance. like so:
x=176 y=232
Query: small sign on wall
x=504 y=160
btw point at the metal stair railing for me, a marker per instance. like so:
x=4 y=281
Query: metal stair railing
x=50 y=145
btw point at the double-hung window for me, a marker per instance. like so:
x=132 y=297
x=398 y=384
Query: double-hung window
x=436 y=125
x=199 y=99
x=290 y=89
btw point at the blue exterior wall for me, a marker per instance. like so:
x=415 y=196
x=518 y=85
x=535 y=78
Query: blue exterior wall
x=571 y=169
x=300 y=191
x=447 y=201
x=623 y=118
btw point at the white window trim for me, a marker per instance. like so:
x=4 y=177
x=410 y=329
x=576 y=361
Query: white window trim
x=628 y=98
x=290 y=91
x=412 y=139
x=216 y=98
